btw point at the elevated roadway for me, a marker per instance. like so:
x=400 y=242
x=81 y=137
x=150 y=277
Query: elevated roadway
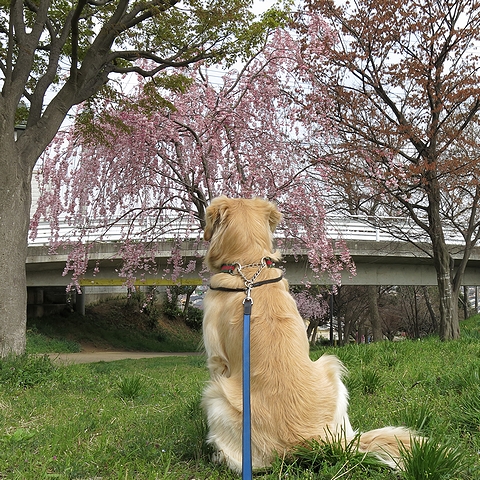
x=380 y=259
x=382 y=262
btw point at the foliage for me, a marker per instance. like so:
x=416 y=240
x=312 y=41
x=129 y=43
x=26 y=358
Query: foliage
x=26 y=371
x=404 y=79
x=40 y=343
x=21 y=114
x=311 y=302
x=418 y=416
x=171 y=310
x=114 y=324
x=312 y=306
x=319 y=456
x=430 y=460
x=243 y=137
x=468 y=410
x=56 y=54
x=190 y=315
x=194 y=318
x=167 y=35
x=370 y=381
x=130 y=387
x=145 y=303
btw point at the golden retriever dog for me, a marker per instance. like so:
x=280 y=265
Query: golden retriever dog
x=293 y=399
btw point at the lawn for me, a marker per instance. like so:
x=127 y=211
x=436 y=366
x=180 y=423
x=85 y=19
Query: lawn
x=140 y=419
x=117 y=324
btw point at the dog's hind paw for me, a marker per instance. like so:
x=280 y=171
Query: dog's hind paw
x=218 y=457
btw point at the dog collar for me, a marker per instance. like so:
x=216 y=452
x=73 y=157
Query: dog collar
x=231 y=267
x=247 y=289
x=249 y=282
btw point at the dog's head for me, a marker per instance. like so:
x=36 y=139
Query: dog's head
x=240 y=230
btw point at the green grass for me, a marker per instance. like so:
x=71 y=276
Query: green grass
x=140 y=419
x=114 y=324
x=41 y=343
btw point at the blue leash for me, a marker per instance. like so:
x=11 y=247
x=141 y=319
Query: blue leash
x=246 y=425
x=247 y=311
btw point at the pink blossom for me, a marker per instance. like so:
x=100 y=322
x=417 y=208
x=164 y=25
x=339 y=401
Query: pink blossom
x=140 y=165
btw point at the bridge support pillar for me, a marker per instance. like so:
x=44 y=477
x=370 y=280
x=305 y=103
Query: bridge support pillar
x=80 y=302
x=35 y=307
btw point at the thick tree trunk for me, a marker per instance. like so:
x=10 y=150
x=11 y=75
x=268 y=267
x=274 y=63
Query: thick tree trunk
x=449 y=327
x=15 y=199
x=374 y=314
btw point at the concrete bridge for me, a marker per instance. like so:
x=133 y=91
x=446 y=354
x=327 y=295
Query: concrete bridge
x=380 y=259
x=377 y=263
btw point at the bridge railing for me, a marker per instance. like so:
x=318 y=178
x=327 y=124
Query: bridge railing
x=116 y=232
x=348 y=228
x=352 y=228
x=378 y=228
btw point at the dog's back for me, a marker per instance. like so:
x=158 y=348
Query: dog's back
x=292 y=398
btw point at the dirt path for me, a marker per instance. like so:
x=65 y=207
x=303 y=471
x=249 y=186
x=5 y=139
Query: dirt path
x=111 y=356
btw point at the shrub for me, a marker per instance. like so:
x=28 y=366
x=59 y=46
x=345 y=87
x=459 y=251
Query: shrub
x=170 y=310
x=194 y=318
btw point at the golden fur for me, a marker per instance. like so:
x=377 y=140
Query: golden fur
x=292 y=398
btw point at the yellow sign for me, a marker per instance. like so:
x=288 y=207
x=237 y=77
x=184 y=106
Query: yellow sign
x=93 y=282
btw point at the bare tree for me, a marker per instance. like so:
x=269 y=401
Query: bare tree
x=404 y=80
x=415 y=305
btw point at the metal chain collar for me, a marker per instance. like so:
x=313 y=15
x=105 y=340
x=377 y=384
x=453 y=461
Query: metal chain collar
x=249 y=282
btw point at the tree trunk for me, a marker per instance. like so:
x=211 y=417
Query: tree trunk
x=448 y=290
x=17 y=161
x=15 y=200
x=374 y=314
x=361 y=333
x=312 y=330
x=433 y=317
x=449 y=327
x=415 y=315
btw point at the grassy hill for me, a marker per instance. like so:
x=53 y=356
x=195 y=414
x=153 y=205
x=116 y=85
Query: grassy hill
x=114 y=324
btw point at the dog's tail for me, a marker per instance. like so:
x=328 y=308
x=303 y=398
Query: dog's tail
x=386 y=443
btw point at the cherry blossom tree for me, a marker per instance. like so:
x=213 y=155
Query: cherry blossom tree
x=54 y=55
x=312 y=303
x=158 y=156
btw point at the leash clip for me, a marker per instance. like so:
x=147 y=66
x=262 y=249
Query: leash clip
x=248 y=292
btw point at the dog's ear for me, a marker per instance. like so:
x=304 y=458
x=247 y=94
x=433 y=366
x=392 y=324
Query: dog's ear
x=274 y=218
x=214 y=214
